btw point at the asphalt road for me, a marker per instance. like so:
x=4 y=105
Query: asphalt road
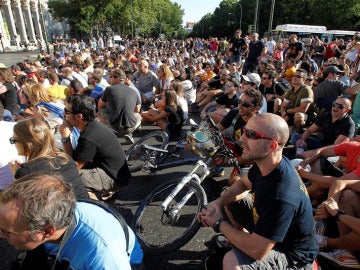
x=190 y=256
x=10 y=58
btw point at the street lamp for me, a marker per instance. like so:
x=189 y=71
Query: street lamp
x=240 y=14
x=271 y=15
x=234 y=20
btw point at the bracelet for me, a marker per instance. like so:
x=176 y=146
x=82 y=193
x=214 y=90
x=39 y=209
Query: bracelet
x=338 y=214
x=216 y=225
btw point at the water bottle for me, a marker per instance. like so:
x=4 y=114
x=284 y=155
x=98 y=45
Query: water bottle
x=300 y=149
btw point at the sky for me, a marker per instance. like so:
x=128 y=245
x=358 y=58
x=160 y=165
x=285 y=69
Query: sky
x=195 y=9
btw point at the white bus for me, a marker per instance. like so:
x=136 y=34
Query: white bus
x=301 y=30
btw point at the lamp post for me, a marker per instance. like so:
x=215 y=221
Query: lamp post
x=271 y=15
x=234 y=20
x=240 y=14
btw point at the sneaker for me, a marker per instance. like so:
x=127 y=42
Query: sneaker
x=321 y=240
x=129 y=138
x=341 y=257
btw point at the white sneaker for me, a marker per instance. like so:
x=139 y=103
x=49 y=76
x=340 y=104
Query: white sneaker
x=321 y=240
x=342 y=257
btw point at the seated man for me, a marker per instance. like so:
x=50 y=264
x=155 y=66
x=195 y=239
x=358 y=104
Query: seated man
x=98 y=154
x=323 y=173
x=297 y=101
x=271 y=226
x=224 y=103
x=336 y=127
x=343 y=205
x=39 y=213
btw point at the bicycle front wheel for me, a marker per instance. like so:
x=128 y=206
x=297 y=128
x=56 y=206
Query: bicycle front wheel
x=136 y=155
x=158 y=231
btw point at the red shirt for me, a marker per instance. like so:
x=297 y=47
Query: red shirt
x=350 y=150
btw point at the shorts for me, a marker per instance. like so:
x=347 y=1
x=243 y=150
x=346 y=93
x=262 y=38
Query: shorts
x=274 y=260
x=96 y=179
x=328 y=168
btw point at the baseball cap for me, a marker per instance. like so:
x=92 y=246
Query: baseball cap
x=333 y=69
x=252 y=77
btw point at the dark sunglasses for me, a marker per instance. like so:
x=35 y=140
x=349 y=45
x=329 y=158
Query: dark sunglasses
x=298 y=76
x=245 y=104
x=12 y=140
x=246 y=82
x=338 y=105
x=68 y=111
x=309 y=79
x=254 y=135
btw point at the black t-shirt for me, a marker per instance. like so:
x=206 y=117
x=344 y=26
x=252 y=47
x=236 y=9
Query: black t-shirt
x=344 y=126
x=67 y=170
x=175 y=118
x=229 y=103
x=237 y=45
x=294 y=49
x=120 y=102
x=255 y=49
x=9 y=98
x=282 y=211
x=99 y=146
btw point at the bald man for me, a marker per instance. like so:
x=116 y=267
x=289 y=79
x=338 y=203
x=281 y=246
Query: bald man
x=269 y=220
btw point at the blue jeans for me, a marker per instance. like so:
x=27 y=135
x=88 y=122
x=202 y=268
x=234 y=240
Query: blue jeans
x=311 y=143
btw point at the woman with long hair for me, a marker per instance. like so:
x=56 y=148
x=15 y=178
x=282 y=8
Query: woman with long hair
x=34 y=141
x=171 y=118
x=9 y=97
x=165 y=77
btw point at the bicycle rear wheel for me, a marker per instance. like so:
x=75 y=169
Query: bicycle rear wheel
x=136 y=155
x=157 y=232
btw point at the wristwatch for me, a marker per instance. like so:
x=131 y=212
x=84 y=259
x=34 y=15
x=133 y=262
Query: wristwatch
x=65 y=140
x=216 y=225
x=338 y=214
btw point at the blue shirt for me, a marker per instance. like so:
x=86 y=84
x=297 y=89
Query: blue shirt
x=97 y=242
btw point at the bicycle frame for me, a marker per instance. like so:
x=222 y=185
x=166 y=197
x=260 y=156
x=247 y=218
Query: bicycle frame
x=200 y=164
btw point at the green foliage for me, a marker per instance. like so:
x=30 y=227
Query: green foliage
x=154 y=17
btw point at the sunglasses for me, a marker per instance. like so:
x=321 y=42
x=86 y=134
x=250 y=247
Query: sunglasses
x=254 y=135
x=247 y=83
x=265 y=78
x=245 y=104
x=298 y=76
x=309 y=79
x=338 y=105
x=68 y=111
x=12 y=140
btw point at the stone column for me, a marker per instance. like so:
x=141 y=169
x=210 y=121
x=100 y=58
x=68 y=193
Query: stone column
x=36 y=16
x=20 y=21
x=10 y=22
x=4 y=41
x=29 y=22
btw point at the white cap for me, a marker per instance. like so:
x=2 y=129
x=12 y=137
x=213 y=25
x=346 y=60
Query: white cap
x=252 y=77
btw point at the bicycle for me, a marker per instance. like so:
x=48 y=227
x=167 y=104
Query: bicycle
x=167 y=218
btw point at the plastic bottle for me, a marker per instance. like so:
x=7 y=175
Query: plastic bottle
x=300 y=149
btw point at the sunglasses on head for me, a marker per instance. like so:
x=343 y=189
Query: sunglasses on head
x=12 y=140
x=245 y=104
x=338 y=105
x=254 y=135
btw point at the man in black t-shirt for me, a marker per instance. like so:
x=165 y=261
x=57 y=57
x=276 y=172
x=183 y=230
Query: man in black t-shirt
x=238 y=47
x=269 y=220
x=256 y=49
x=296 y=49
x=233 y=123
x=98 y=154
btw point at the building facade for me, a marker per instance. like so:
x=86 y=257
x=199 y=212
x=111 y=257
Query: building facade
x=26 y=22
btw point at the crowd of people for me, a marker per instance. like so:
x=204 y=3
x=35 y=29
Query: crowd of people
x=63 y=115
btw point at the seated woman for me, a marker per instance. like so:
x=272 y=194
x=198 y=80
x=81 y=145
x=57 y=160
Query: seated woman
x=171 y=118
x=46 y=108
x=33 y=139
